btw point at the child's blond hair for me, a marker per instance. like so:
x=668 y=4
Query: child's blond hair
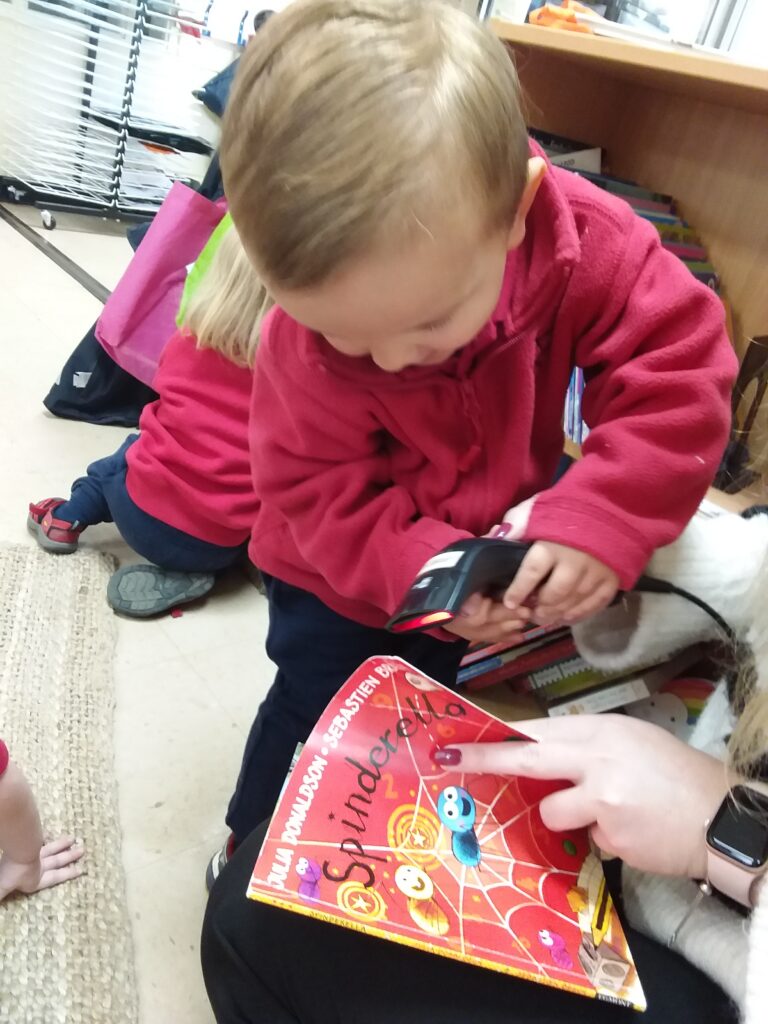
x=226 y=309
x=353 y=123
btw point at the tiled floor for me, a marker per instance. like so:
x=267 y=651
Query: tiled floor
x=186 y=688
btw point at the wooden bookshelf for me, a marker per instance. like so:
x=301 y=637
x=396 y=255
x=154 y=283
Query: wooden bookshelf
x=687 y=123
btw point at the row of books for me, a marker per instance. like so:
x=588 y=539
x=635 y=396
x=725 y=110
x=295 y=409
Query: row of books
x=658 y=208
x=548 y=666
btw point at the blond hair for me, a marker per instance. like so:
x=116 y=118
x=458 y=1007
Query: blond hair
x=353 y=122
x=748 y=745
x=226 y=309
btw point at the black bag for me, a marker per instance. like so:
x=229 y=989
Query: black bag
x=93 y=388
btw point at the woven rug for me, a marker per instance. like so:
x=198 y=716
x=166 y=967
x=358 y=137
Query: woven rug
x=66 y=955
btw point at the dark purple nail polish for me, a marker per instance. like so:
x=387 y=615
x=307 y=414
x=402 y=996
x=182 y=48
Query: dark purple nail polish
x=501 y=531
x=449 y=757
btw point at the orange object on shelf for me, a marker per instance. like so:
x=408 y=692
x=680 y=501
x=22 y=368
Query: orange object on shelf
x=550 y=16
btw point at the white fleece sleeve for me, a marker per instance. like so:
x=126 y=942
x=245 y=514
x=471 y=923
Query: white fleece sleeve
x=715 y=559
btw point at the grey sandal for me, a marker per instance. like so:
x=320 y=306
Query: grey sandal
x=143 y=590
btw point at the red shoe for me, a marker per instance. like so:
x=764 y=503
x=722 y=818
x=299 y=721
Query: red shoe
x=52 y=534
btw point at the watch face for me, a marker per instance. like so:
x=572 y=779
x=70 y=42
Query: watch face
x=739 y=830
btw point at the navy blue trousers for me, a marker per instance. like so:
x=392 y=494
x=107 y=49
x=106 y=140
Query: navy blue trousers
x=315 y=650
x=102 y=497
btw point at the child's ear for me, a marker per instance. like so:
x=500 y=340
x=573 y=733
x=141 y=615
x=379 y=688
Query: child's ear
x=537 y=168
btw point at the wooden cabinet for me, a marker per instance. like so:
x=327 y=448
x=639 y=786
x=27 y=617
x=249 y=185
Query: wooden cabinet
x=692 y=125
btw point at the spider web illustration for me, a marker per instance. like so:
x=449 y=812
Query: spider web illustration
x=517 y=907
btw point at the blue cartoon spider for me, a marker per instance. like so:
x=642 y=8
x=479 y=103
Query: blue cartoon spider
x=456 y=809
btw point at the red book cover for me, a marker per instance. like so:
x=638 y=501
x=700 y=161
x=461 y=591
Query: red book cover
x=371 y=834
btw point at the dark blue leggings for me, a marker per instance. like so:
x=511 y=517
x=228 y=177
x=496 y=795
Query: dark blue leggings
x=102 y=497
x=315 y=650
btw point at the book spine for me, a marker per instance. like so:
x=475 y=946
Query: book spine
x=677 y=234
x=622 y=187
x=579 y=160
x=507 y=657
x=661 y=218
x=648 y=205
x=685 y=252
x=707 y=277
x=602 y=700
x=484 y=652
x=520 y=672
x=535 y=633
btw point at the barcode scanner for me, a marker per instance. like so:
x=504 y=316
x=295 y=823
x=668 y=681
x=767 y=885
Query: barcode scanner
x=487 y=566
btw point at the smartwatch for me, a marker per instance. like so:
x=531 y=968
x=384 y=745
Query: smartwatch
x=737 y=844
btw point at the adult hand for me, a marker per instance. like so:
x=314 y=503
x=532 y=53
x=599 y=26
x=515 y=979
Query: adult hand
x=58 y=862
x=644 y=794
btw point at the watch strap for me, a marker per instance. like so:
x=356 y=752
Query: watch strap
x=730 y=878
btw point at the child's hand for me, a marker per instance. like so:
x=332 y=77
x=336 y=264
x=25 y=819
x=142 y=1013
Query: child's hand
x=58 y=862
x=482 y=620
x=577 y=584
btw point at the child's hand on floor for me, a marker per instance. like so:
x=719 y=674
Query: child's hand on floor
x=58 y=862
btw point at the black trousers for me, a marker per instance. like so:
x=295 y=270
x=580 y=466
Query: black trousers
x=263 y=965
x=315 y=650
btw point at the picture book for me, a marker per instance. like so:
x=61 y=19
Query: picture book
x=371 y=834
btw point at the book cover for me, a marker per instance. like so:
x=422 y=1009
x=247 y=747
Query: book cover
x=371 y=835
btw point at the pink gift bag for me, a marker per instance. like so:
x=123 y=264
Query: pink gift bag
x=140 y=315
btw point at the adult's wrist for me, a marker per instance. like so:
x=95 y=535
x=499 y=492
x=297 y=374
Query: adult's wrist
x=714 y=790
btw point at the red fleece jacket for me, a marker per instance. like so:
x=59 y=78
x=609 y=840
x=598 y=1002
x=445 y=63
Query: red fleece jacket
x=362 y=475
x=189 y=467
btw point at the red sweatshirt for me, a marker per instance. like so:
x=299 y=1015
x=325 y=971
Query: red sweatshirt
x=189 y=467
x=362 y=475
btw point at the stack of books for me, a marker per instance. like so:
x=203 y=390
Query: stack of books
x=547 y=666
x=676 y=235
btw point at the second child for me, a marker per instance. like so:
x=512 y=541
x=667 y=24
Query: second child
x=180 y=490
